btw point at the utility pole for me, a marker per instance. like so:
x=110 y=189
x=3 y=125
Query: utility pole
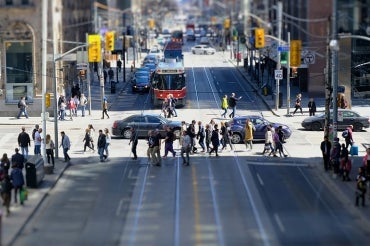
x=288 y=80
x=43 y=73
x=278 y=66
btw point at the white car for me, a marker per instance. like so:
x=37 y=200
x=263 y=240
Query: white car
x=203 y=49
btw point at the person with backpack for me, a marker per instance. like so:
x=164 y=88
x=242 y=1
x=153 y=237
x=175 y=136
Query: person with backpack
x=17 y=179
x=232 y=104
x=348 y=137
x=22 y=105
x=191 y=132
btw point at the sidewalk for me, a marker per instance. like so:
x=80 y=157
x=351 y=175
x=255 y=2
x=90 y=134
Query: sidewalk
x=21 y=214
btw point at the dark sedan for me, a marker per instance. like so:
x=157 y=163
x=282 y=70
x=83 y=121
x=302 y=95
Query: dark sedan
x=317 y=122
x=237 y=127
x=143 y=123
x=141 y=84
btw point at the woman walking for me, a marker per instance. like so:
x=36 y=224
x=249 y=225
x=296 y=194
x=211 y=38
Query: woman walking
x=224 y=106
x=108 y=139
x=49 y=146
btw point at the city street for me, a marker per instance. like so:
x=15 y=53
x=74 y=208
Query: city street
x=239 y=198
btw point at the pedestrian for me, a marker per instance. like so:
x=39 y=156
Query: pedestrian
x=72 y=108
x=134 y=141
x=173 y=105
x=105 y=108
x=268 y=142
x=156 y=148
x=17 y=158
x=111 y=74
x=22 y=105
x=346 y=166
x=87 y=140
x=108 y=140
x=192 y=135
x=17 y=179
x=5 y=163
x=185 y=142
x=6 y=192
x=38 y=141
x=201 y=134
x=150 y=147
x=208 y=132
x=361 y=186
x=61 y=100
x=248 y=136
x=49 y=146
x=348 y=137
x=335 y=155
x=36 y=129
x=24 y=141
x=77 y=104
x=224 y=106
x=278 y=143
x=298 y=102
x=101 y=145
x=168 y=142
x=119 y=65
x=66 y=145
x=215 y=139
x=83 y=103
x=92 y=133
x=232 y=104
x=325 y=147
x=165 y=108
x=62 y=109
x=311 y=107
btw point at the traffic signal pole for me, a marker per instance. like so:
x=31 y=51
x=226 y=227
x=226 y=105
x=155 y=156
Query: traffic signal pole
x=288 y=80
x=278 y=66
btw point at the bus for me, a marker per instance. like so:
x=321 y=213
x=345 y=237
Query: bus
x=169 y=78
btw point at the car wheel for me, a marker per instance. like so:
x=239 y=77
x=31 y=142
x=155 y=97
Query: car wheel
x=357 y=127
x=316 y=126
x=236 y=138
x=126 y=133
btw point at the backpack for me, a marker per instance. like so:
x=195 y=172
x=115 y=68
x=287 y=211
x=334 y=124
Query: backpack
x=19 y=104
x=33 y=133
x=345 y=134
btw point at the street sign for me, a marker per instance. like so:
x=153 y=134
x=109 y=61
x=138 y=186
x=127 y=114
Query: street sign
x=283 y=48
x=309 y=58
x=278 y=74
x=81 y=66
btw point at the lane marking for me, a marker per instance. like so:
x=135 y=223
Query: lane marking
x=278 y=221
x=260 y=180
x=283 y=164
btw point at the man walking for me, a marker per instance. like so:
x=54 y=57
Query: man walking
x=134 y=141
x=105 y=108
x=119 y=65
x=168 y=142
x=232 y=104
x=101 y=145
x=185 y=142
x=22 y=105
x=24 y=141
x=325 y=147
x=66 y=144
x=18 y=159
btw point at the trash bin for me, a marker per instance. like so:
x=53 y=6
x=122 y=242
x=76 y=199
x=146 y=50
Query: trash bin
x=34 y=171
x=112 y=87
x=280 y=99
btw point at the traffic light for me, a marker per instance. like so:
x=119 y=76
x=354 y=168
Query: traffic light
x=259 y=34
x=295 y=53
x=151 y=23
x=227 y=23
x=47 y=100
x=94 y=48
x=109 y=41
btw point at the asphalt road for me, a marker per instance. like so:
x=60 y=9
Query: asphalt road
x=240 y=198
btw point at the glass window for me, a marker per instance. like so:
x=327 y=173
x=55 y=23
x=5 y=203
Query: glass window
x=152 y=119
x=9 y=2
x=19 y=67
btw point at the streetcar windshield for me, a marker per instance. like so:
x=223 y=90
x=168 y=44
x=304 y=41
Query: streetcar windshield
x=169 y=81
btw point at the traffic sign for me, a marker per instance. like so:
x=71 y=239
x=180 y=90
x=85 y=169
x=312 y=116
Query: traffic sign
x=283 y=48
x=278 y=74
x=81 y=66
x=309 y=58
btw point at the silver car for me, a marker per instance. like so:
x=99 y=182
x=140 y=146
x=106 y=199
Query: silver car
x=202 y=49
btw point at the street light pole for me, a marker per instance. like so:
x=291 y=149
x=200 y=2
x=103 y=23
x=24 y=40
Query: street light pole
x=334 y=47
x=43 y=73
x=278 y=66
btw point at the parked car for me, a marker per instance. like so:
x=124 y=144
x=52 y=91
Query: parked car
x=237 y=127
x=143 y=123
x=141 y=84
x=203 y=49
x=317 y=122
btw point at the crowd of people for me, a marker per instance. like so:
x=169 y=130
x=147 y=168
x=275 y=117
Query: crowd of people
x=336 y=158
